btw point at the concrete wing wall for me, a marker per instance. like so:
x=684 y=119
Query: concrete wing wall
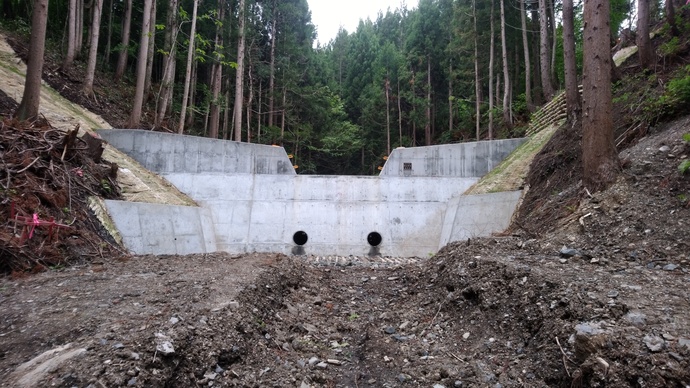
x=169 y=153
x=163 y=229
x=471 y=216
x=473 y=159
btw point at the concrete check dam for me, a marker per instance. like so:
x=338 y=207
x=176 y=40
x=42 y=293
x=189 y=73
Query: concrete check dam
x=251 y=200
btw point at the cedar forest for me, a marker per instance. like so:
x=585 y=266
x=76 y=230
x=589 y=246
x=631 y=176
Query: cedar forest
x=248 y=70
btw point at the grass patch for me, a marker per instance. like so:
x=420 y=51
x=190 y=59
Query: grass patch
x=510 y=174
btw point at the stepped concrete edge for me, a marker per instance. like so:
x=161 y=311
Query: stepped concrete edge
x=250 y=202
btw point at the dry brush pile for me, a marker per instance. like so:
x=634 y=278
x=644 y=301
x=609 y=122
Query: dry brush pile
x=46 y=179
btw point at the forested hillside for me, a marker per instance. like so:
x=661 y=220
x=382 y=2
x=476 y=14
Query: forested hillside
x=248 y=70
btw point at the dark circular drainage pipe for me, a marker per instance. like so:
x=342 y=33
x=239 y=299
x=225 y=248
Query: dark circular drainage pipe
x=374 y=239
x=300 y=238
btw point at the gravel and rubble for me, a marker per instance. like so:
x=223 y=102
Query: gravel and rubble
x=585 y=290
x=600 y=300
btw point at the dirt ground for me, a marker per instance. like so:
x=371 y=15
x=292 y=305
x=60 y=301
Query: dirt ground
x=610 y=310
x=583 y=291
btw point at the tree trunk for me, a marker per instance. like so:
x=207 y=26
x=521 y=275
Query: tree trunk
x=600 y=161
x=400 y=131
x=450 y=95
x=216 y=78
x=250 y=101
x=93 y=49
x=122 y=58
x=28 y=108
x=544 y=54
x=192 y=95
x=671 y=17
x=239 y=77
x=572 y=94
x=552 y=19
x=151 y=49
x=644 y=44
x=226 y=110
x=491 y=70
x=71 y=35
x=535 y=57
x=188 y=71
x=477 y=86
x=427 y=125
x=166 y=89
x=272 y=70
x=80 y=27
x=135 y=117
x=282 y=121
x=528 y=66
x=106 y=56
x=388 y=116
x=88 y=9
x=414 y=109
x=258 y=115
x=507 y=117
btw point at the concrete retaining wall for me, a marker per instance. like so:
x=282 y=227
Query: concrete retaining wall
x=261 y=213
x=164 y=152
x=474 y=159
x=163 y=229
x=252 y=201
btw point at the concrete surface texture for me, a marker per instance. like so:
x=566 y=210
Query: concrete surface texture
x=470 y=216
x=473 y=159
x=148 y=228
x=250 y=202
x=167 y=153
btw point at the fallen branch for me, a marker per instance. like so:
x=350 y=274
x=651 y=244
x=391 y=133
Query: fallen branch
x=565 y=357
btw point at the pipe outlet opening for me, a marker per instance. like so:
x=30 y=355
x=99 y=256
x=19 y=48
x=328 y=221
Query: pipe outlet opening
x=374 y=239
x=300 y=238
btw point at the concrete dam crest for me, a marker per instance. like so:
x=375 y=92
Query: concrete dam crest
x=251 y=200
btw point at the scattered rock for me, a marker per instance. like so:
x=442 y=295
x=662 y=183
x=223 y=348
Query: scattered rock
x=569 y=252
x=670 y=267
x=654 y=343
x=164 y=344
